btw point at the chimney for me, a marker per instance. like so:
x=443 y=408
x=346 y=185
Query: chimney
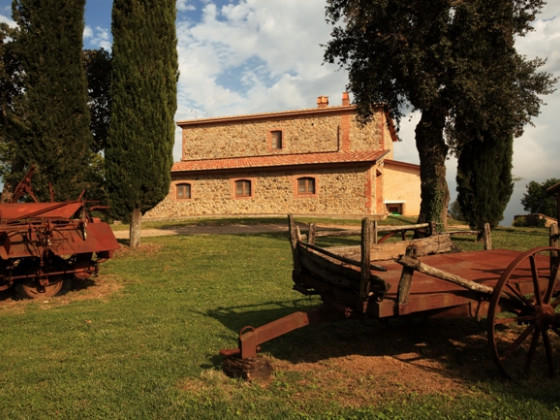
x=323 y=101
x=345 y=99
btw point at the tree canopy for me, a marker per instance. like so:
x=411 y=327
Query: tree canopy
x=143 y=103
x=537 y=200
x=438 y=57
x=48 y=124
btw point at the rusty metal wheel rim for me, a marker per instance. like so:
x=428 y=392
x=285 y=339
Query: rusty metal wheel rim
x=522 y=324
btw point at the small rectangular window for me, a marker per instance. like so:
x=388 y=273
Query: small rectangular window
x=306 y=185
x=394 y=209
x=183 y=191
x=243 y=188
x=276 y=137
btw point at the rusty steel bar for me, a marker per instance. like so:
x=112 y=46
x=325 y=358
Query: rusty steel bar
x=251 y=338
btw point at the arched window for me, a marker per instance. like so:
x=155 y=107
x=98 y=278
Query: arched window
x=306 y=185
x=243 y=188
x=183 y=191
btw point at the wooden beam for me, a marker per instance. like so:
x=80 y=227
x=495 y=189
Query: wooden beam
x=440 y=274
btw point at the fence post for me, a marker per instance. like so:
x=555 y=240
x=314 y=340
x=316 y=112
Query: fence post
x=365 y=274
x=554 y=237
x=487 y=237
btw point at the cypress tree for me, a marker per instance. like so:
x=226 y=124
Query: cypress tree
x=143 y=103
x=10 y=87
x=50 y=128
x=484 y=181
x=496 y=87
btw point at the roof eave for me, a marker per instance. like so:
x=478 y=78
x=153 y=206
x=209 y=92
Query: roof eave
x=293 y=166
x=269 y=115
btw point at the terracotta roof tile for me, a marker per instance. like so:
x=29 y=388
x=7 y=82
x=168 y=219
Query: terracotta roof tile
x=276 y=161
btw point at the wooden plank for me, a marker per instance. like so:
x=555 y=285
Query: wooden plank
x=405 y=282
x=424 y=246
x=487 y=237
x=390 y=250
x=440 y=274
x=554 y=237
x=402 y=227
x=312 y=233
x=295 y=237
x=329 y=271
x=340 y=232
x=367 y=241
x=338 y=253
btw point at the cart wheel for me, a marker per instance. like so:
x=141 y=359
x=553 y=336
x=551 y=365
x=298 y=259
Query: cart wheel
x=523 y=322
x=32 y=290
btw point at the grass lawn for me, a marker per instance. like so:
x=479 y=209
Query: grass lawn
x=141 y=341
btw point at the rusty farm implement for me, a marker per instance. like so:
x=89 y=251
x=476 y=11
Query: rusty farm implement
x=43 y=245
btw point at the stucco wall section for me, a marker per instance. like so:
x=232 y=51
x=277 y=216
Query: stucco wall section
x=401 y=182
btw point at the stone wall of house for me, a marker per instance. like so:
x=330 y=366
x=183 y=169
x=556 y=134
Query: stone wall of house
x=339 y=191
x=321 y=132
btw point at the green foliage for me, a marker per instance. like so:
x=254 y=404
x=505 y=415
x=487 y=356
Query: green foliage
x=536 y=199
x=10 y=89
x=143 y=102
x=531 y=220
x=453 y=61
x=97 y=65
x=455 y=211
x=520 y=239
x=484 y=181
x=50 y=121
x=98 y=72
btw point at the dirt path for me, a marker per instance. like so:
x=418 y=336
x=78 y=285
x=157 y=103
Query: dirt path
x=233 y=229
x=207 y=230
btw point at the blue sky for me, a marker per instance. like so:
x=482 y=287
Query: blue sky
x=247 y=56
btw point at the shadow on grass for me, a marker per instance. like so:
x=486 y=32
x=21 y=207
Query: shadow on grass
x=123 y=242
x=71 y=285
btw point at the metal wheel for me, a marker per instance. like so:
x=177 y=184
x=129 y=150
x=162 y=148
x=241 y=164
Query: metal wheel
x=33 y=290
x=523 y=318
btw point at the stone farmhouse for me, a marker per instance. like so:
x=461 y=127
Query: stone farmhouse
x=318 y=161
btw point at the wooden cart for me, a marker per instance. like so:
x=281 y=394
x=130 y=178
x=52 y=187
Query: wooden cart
x=517 y=292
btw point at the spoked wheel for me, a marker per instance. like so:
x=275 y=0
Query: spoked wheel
x=33 y=290
x=523 y=318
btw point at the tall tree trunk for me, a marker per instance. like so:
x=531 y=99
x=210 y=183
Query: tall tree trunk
x=433 y=152
x=135 y=228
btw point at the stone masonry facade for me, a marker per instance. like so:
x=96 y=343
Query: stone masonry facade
x=318 y=161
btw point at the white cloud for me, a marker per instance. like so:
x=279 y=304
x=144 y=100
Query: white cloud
x=98 y=37
x=253 y=56
x=183 y=5
x=5 y=17
x=537 y=152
